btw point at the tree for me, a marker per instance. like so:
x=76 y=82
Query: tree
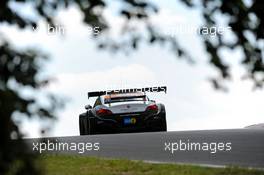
x=20 y=68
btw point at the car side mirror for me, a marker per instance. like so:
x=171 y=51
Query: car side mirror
x=88 y=107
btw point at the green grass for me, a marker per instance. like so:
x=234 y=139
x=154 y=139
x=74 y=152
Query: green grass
x=81 y=165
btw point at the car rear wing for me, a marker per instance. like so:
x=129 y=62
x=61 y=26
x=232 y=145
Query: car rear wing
x=131 y=90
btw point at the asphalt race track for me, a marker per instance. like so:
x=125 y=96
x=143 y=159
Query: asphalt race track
x=247 y=146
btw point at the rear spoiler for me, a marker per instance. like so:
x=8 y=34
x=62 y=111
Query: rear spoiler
x=132 y=90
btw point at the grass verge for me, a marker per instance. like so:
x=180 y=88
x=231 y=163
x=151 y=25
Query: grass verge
x=81 y=165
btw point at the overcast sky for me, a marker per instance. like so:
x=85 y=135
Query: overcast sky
x=191 y=102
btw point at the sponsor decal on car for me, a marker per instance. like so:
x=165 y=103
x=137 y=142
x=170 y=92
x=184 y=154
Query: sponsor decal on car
x=128 y=121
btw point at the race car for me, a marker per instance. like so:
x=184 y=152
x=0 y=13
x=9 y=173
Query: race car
x=122 y=113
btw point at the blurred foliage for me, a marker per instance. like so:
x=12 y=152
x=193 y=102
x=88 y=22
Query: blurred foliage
x=22 y=67
x=246 y=20
x=18 y=69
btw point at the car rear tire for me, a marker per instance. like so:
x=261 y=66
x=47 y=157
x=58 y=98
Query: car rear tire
x=84 y=124
x=163 y=125
x=81 y=125
x=90 y=127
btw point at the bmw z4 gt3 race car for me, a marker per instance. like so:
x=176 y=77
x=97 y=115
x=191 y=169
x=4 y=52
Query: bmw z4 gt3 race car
x=123 y=111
